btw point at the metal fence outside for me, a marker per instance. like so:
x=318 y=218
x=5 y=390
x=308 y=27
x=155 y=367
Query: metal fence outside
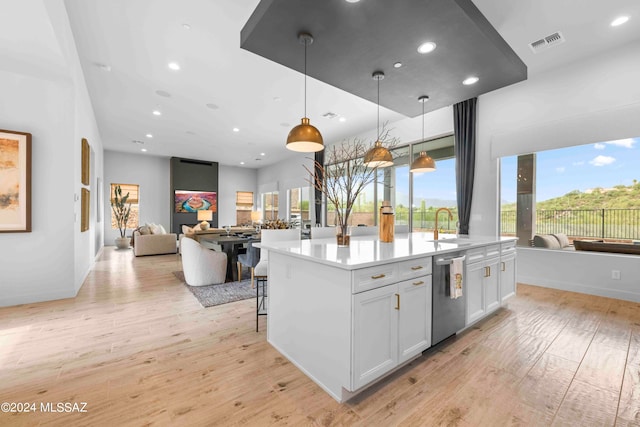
x=597 y=223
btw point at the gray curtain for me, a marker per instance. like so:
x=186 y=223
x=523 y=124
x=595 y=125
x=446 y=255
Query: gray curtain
x=464 y=127
x=317 y=194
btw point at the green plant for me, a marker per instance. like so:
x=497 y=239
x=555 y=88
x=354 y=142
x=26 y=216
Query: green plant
x=121 y=210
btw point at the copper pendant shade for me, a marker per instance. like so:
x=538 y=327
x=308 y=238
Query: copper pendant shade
x=378 y=156
x=305 y=137
x=424 y=162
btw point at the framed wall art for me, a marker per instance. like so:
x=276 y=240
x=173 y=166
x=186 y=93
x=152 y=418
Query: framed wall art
x=84 y=215
x=15 y=181
x=86 y=154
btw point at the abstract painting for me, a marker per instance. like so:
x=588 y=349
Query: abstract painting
x=15 y=181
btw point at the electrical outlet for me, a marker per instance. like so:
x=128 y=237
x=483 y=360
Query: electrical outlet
x=615 y=274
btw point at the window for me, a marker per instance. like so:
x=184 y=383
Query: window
x=299 y=202
x=244 y=206
x=422 y=193
x=434 y=190
x=586 y=191
x=270 y=204
x=134 y=195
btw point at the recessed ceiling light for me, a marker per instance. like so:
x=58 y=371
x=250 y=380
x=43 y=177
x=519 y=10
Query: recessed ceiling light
x=163 y=93
x=242 y=163
x=427 y=47
x=144 y=150
x=174 y=66
x=343 y=119
x=186 y=26
x=470 y=80
x=212 y=106
x=149 y=135
x=157 y=113
x=352 y=1
x=619 y=21
x=397 y=64
x=236 y=130
x=262 y=154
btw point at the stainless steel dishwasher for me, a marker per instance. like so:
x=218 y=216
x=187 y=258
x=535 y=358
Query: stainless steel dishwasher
x=448 y=314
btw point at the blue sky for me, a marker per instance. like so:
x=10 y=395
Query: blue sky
x=577 y=168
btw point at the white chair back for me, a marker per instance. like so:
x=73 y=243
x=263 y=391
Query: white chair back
x=323 y=232
x=364 y=231
x=401 y=228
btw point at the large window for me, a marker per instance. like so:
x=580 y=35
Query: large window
x=415 y=197
x=134 y=199
x=244 y=206
x=299 y=205
x=270 y=205
x=586 y=191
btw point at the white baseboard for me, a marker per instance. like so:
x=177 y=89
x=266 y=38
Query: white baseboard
x=34 y=298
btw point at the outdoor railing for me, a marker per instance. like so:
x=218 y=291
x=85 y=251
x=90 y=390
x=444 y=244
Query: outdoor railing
x=597 y=223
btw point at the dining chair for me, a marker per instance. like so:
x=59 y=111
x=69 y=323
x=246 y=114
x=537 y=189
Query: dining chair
x=261 y=270
x=323 y=232
x=364 y=231
x=401 y=228
x=249 y=258
x=202 y=266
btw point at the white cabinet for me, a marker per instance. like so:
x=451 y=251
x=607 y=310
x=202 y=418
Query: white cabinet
x=507 y=277
x=482 y=282
x=392 y=324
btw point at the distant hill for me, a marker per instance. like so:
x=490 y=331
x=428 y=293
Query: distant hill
x=618 y=197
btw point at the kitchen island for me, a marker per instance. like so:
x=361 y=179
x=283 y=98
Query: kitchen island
x=347 y=317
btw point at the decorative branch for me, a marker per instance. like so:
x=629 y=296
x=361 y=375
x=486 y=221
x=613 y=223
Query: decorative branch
x=345 y=174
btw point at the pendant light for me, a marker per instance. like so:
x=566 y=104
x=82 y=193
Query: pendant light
x=305 y=137
x=424 y=162
x=378 y=156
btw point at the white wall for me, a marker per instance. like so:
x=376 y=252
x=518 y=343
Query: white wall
x=230 y=180
x=43 y=94
x=590 y=101
x=151 y=173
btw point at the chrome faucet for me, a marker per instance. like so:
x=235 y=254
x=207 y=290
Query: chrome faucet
x=435 y=232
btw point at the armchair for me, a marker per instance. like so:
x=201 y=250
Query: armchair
x=202 y=266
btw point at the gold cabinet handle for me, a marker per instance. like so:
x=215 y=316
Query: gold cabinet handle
x=379 y=276
x=417 y=267
x=503 y=265
x=487 y=272
x=418 y=283
x=397 y=302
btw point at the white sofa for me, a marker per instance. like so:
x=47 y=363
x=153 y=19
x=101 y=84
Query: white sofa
x=154 y=244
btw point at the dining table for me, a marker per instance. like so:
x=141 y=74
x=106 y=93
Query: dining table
x=231 y=245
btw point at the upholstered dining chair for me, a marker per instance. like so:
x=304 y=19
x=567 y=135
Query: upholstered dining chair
x=401 y=228
x=250 y=258
x=364 y=231
x=261 y=272
x=202 y=266
x=323 y=232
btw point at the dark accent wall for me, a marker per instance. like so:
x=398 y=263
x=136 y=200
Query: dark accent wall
x=192 y=175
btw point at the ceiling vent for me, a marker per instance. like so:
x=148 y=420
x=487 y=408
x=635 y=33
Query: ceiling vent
x=329 y=115
x=547 y=42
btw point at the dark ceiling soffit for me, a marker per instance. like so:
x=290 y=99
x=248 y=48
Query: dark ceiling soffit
x=351 y=41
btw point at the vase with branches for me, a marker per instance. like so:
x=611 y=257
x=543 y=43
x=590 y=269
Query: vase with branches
x=343 y=176
x=121 y=211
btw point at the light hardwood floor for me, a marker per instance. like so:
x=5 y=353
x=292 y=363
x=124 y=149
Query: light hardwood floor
x=138 y=348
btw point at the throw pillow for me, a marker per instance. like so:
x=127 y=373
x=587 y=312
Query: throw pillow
x=161 y=229
x=187 y=230
x=144 y=230
x=153 y=228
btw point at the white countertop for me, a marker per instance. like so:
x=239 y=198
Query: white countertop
x=365 y=251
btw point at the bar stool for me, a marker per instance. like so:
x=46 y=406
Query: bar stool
x=260 y=271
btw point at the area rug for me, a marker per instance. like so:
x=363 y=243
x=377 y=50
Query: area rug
x=212 y=295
